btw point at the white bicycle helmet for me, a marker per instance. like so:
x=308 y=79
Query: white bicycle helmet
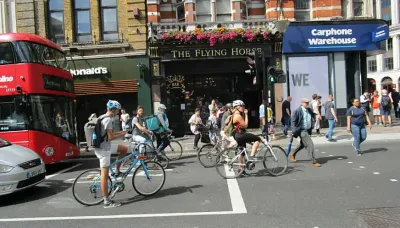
x=238 y=103
x=111 y=104
x=162 y=107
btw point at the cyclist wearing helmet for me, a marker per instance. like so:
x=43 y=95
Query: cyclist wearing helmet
x=104 y=152
x=240 y=123
x=161 y=136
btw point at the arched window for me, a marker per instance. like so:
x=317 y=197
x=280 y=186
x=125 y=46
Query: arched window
x=56 y=21
x=387 y=83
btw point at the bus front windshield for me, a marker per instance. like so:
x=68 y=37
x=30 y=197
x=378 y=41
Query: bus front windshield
x=50 y=114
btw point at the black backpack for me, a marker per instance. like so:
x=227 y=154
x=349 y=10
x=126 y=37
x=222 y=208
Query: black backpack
x=386 y=102
x=96 y=141
x=219 y=119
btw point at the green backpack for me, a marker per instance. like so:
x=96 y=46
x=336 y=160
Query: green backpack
x=229 y=128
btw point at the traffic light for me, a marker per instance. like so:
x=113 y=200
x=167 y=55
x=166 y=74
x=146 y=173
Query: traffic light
x=276 y=75
x=253 y=60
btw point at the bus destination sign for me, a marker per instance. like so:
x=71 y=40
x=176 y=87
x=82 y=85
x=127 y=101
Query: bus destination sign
x=57 y=84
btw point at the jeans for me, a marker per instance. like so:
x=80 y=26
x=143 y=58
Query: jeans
x=360 y=134
x=331 y=126
x=162 y=141
x=213 y=136
x=286 y=123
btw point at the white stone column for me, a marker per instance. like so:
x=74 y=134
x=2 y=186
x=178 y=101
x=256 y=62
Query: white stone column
x=379 y=63
x=350 y=11
x=396 y=52
x=378 y=9
x=395 y=11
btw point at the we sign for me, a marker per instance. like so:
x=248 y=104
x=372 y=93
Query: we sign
x=300 y=79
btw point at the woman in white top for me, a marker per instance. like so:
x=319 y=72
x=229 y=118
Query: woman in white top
x=212 y=107
x=124 y=118
x=196 y=123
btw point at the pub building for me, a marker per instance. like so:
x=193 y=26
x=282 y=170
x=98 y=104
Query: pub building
x=191 y=69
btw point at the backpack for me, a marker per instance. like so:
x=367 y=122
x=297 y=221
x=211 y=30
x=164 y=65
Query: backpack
x=229 y=128
x=385 y=102
x=152 y=123
x=97 y=138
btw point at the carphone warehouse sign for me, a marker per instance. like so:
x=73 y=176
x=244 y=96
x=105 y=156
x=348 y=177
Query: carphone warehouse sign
x=308 y=76
x=334 y=37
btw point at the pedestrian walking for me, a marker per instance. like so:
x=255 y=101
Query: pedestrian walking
x=330 y=115
x=196 y=126
x=302 y=127
x=315 y=105
x=376 y=108
x=89 y=131
x=124 y=118
x=365 y=101
x=396 y=100
x=261 y=112
x=386 y=102
x=357 y=118
x=286 y=113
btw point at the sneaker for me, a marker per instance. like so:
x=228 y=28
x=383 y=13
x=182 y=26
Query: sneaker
x=359 y=153
x=316 y=164
x=244 y=174
x=376 y=124
x=253 y=159
x=111 y=204
x=119 y=174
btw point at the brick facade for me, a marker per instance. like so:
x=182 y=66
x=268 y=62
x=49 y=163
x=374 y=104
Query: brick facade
x=161 y=11
x=33 y=16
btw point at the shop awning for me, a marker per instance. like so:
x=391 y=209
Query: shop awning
x=92 y=88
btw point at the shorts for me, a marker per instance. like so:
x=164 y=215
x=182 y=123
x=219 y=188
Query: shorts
x=376 y=112
x=385 y=112
x=243 y=138
x=104 y=157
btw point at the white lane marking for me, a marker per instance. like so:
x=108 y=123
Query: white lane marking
x=339 y=158
x=376 y=173
x=350 y=162
x=120 y=216
x=323 y=152
x=237 y=201
x=62 y=171
x=361 y=167
x=330 y=155
x=393 y=180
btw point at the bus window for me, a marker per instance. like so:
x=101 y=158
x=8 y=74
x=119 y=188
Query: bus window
x=12 y=116
x=25 y=53
x=61 y=60
x=6 y=54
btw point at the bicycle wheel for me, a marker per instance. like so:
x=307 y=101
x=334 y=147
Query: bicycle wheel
x=162 y=159
x=173 y=151
x=87 y=184
x=207 y=155
x=228 y=165
x=140 y=181
x=278 y=158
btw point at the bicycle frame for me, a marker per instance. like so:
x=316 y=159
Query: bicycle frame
x=138 y=158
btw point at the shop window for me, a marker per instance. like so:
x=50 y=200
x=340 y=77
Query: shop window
x=390 y=43
x=223 y=10
x=180 y=12
x=6 y=54
x=358 y=8
x=203 y=10
x=389 y=63
x=372 y=66
x=109 y=22
x=302 y=10
x=82 y=21
x=56 y=21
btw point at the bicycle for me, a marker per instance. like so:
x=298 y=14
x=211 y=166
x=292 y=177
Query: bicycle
x=151 y=170
x=150 y=150
x=225 y=161
x=174 y=150
x=208 y=151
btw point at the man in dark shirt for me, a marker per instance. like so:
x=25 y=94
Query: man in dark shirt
x=286 y=114
x=396 y=99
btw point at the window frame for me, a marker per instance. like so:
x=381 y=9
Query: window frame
x=372 y=67
x=207 y=14
x=303 y=9
x=388 y=64
x=76 y=33
x=49 y=25
x=180 y=4
x=361 y=3
x=102 y=8
x=223 y=14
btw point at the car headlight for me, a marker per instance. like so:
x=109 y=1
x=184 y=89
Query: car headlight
x=49 y=151
x=5 y=168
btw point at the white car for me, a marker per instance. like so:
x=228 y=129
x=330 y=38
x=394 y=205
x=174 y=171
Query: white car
x=20 y=168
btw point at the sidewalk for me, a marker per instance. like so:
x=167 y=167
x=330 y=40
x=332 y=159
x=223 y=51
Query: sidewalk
x=340 y=134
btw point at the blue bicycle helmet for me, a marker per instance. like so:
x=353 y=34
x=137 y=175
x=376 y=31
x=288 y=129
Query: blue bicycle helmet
x=113 y=104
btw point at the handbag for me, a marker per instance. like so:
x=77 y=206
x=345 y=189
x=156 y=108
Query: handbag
x=199 y=127
x=205 y=138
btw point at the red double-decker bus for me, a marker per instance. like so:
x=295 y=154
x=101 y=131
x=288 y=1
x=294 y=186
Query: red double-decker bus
x=36 y=97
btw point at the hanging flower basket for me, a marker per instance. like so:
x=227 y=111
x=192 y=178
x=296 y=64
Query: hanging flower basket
x=217 y=36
